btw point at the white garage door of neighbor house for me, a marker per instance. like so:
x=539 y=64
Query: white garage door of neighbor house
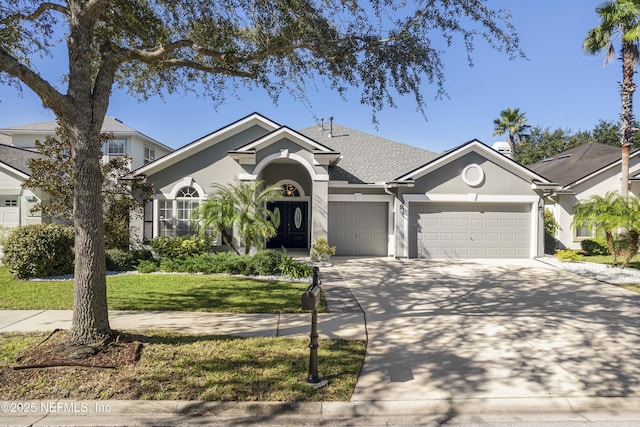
x=469 y=230
x=10 y=215
x=358 y=228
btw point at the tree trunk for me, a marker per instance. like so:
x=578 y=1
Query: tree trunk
x=90 y=316
x=627 y=87
x=88 y=98
x=633 y=248
x=612 y=247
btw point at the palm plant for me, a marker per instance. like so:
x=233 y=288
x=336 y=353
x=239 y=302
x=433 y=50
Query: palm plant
x=217 y=212
x=618 y=217
x=619 y=18
x=242 y=206
x=513 y=123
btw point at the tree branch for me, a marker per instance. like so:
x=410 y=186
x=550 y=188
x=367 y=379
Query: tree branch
x=43 y=8
x=49 y=96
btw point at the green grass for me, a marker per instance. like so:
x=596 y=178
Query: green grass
x=187 y=367
x=183 y=292
x=608 y=259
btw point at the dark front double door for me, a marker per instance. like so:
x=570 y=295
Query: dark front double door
x=292 y=230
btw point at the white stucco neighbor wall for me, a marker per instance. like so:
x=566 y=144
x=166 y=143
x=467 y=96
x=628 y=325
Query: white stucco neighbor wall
x=599 y=185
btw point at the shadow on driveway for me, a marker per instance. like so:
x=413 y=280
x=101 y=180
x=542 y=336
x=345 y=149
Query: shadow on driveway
x=486 y=329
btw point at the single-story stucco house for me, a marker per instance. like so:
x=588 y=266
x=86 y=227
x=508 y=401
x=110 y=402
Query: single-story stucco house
x=367 y=195
x=581 y=172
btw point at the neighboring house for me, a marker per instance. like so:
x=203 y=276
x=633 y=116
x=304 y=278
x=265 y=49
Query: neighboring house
x=581 y=172
x=16 y=202
x=369 y=196
x=17 y=146
x=125 y=140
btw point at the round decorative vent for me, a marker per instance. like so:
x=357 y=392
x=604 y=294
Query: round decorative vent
x=473 y=175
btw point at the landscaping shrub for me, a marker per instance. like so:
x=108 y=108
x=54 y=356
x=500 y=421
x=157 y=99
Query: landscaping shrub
x=569 y=255
x=174 y=247
x=321 y=251
x=39 y=250
x=147 y=266
x=119 y=260
x=231 y=263
x=595 y=246
x=266 y=262
x=550 y=229
x=293 y=268
x=141 y=255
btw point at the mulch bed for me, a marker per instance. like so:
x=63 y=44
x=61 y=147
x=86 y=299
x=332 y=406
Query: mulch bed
x=55 y=351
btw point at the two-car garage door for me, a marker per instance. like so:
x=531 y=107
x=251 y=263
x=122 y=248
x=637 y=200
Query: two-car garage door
x=459 y=230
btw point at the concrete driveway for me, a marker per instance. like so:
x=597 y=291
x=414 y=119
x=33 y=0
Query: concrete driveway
x=492 y=330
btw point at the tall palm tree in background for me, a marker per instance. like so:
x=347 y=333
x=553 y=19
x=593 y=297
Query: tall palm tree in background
x=514 y=124
x=619 y=18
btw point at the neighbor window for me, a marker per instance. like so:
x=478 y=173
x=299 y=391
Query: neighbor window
x=149 y=155
x=116 y=147
x=585 y=232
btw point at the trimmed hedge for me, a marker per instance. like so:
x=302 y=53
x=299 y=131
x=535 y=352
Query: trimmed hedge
x=175 y=247
x=39 y=250
x=263 y=263
x=595 y=246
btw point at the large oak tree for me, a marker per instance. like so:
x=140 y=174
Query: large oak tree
x=152 y=47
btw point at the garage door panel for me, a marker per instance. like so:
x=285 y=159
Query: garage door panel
x=469 y=230
x=358 y=228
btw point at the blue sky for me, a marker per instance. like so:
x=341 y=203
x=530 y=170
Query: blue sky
x=556 y=86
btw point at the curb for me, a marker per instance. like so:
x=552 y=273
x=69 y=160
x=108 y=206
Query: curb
x=139 y=408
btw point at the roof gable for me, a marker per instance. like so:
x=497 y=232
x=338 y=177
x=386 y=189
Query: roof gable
x=285 y=132
x=580 y=163
x=18 y=159
x=481 y=149
x=209 y=140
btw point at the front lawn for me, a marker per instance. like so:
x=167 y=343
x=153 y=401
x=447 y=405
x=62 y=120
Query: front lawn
x=186 y=367
x=183 y=292
x=608 y=259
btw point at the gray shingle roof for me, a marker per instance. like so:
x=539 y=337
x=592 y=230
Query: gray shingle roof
x=367 y=158
x=18 y=158
x=577 y=163
x=111 y=124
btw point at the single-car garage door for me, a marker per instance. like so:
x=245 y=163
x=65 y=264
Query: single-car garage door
x=9 y=212
x=358 y=228
x=469 y=230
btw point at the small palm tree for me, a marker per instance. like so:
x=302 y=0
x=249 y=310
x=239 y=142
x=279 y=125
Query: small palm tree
x=243 y=206
x=514 y=124
x=618 y=217
x=619 y=18
x=217 y=212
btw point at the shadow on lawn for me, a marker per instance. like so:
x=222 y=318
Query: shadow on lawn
x=211 y=298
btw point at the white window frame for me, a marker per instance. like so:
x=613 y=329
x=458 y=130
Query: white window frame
x=149 y=154
x=109 y=147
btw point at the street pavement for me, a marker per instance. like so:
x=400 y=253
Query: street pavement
x=514 y=342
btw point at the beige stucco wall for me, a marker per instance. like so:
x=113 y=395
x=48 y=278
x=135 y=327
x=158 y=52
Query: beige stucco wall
x=597 y=185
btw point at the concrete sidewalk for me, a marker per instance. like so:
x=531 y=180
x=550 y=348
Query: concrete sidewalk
x=330 y=325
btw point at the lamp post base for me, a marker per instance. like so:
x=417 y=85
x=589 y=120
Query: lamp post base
x=318 y=384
